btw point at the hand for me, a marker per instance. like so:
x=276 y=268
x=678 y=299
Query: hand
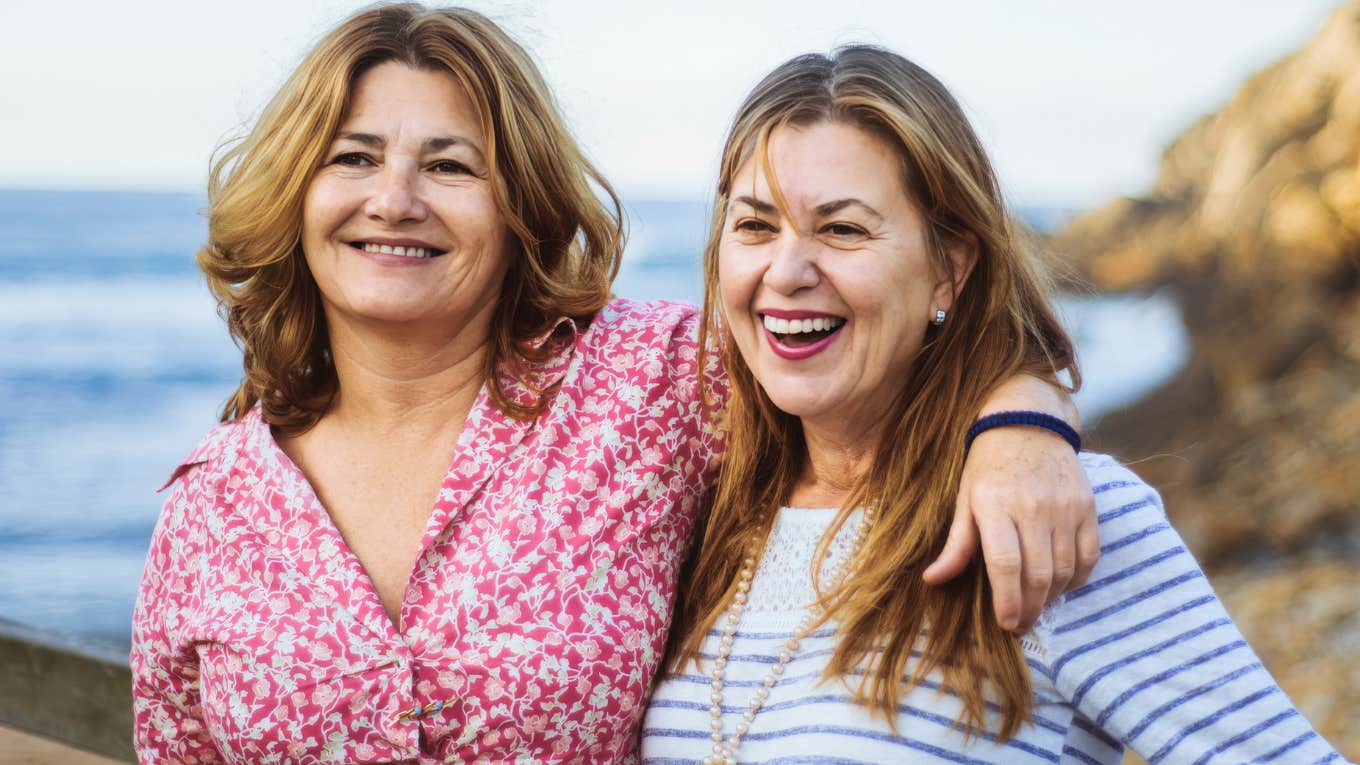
x=1026 y=497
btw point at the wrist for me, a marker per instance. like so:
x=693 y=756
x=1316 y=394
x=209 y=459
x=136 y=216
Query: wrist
x=1026 y=418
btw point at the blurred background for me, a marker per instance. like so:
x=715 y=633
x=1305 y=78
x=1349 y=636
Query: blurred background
x=1197 y=163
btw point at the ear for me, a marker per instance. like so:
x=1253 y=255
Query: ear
x=962 y=256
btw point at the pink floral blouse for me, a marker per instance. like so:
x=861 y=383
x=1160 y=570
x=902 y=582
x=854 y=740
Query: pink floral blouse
x=534 y=618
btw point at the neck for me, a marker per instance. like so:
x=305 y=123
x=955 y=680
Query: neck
x=837 y=458
x=406 y=379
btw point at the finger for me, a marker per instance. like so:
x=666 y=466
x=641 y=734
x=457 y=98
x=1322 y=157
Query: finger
x=1064 y=545
x=1088 y=551
x=1001 y=553
x=959 y=547
x=1036 y=551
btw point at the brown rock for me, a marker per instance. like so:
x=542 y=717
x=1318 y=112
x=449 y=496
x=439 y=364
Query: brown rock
x=1254 y=222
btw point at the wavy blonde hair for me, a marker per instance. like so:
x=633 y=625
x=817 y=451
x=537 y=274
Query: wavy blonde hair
x=569 y=242
x=1000 y=325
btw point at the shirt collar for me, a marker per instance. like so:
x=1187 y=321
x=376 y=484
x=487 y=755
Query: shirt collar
x=523 y=382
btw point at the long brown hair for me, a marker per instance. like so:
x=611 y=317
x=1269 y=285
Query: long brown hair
x=1000 y=325
x=569 y=242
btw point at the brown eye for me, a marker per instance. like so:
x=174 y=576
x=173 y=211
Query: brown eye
x=352 y=159
x=450 y=167
x=753 y=226
x=845 y=230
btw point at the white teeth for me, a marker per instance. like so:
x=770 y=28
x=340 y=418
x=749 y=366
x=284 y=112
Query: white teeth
x=387 y=249
x=796 y=326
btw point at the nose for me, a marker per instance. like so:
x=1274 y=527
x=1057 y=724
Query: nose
x=793 y=264
x=397 y=197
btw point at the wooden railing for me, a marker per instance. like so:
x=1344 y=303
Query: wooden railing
x=66 y=689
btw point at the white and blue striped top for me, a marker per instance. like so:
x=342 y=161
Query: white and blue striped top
x=1143 y=656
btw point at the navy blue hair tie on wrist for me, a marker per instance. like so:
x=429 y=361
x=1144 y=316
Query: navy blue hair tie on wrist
x=1036 y=419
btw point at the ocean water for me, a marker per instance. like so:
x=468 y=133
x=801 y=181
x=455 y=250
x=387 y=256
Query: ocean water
x=113 y=363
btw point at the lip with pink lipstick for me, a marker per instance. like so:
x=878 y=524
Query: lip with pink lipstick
x=797 y=335
x=396 y=252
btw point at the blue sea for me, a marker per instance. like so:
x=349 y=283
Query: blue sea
x=113 y=362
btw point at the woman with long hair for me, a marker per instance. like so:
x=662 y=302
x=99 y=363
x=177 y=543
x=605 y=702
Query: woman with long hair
x=443 y=515
x=867 y=293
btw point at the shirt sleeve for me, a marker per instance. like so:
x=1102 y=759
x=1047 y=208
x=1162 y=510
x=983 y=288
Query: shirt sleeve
x=1146 y=652
x=167 y=719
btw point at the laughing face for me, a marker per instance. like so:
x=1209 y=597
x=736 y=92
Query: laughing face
x=399 y=224
x=828 y=300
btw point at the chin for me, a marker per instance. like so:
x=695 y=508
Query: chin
x=793 y=403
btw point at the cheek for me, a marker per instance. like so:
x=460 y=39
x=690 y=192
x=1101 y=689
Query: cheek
x=737 y=281
x=323 y=209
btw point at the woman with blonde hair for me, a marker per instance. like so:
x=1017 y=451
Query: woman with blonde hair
x=442 y=517
x=868 y=293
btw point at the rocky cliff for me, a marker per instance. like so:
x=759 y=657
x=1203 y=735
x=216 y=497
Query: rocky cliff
x=1254 y=223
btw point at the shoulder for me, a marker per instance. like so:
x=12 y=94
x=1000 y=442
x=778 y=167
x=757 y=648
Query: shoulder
x=1141 y=554
x=651 y=322
x=218 y=449
x=1121 y=496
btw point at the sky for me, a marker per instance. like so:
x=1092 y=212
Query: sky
x=1075 y=100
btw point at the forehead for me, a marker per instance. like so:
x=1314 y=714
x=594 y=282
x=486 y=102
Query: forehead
x=825 y=160
x=392 y=93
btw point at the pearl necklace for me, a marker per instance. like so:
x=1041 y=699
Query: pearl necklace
x=725 y=747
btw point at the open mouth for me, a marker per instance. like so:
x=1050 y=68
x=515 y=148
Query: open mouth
x=399 y=250
x=797 y=333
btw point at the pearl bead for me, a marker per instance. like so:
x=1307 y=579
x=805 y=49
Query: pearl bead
x=726 y=755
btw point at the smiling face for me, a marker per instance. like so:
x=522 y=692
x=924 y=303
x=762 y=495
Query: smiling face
x=399 y=224
x=830 y=304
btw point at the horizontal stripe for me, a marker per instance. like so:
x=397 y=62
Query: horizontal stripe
x=1122 y=574
x=1191 y=695
x=1119 y=512
x=1170 y=746
x=1288 y=746
x=1109 y=485
x=1247 y=735
x=1080 y=756
x=1134 y=538
x=1096 y=676
x=1152 y=592
x=1099 y=643
x=1165 y=675
x=853 y=734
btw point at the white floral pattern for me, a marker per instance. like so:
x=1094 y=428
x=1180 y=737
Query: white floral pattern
x=536 y=612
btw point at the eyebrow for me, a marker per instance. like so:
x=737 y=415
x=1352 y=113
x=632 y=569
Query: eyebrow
x=437 y=143
x=833 y=207
x=760 y=205
x=821 y=210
